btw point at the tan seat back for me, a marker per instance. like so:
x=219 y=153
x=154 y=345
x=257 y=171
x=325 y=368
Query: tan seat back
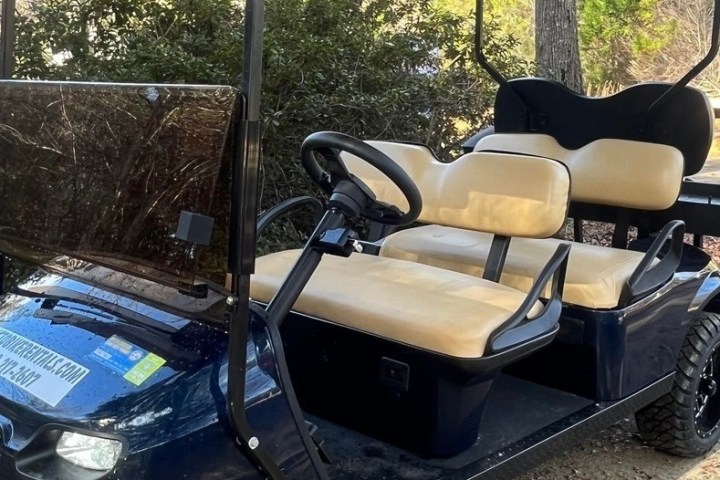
x=504 y=194
x=621 y=173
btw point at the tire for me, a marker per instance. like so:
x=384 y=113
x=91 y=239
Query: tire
x=686 y=421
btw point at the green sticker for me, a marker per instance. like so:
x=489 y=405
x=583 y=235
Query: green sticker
x=145 y=367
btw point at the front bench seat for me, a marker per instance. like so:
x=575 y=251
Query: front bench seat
x=438 y=310
x=409 y=352
x=621 y=173
x=420 y=305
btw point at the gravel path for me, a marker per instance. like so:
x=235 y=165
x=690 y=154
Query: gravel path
x=617 y=453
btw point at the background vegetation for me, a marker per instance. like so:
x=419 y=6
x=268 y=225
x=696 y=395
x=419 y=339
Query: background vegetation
x=391 y=69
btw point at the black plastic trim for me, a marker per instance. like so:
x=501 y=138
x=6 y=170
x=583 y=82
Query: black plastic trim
x=287 y=206
x=468 y=145
x=648 y=277
x=496 y=258
x=518 y=329
x=622 y=228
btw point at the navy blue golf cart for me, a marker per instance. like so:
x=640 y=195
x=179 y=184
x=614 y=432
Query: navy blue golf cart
x=140 y=337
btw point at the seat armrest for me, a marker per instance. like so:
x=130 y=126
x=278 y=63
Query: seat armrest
x=287 y=206
x=648 y=277
x=519 y=329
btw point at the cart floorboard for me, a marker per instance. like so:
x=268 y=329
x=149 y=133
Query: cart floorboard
x=521 y=418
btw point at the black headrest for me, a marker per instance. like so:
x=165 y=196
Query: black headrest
x=537 y=105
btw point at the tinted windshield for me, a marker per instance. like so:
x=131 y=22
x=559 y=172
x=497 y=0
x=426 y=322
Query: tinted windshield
x=102 y=172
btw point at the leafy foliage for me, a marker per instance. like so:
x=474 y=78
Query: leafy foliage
x=399 y=70
x=691 y=22
x=139 y=40
x=515 y=18
x=615 y=33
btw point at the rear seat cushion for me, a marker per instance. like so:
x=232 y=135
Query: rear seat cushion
x=439 y=310
x=595 y=275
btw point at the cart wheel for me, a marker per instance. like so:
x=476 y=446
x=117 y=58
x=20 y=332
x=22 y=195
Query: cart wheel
x=686 y=421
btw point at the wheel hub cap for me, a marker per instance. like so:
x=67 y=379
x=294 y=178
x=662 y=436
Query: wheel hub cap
x=707 y=400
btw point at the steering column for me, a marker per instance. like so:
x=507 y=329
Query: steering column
x=349 y=198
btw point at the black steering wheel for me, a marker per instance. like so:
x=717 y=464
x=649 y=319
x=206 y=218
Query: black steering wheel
x=330 y=144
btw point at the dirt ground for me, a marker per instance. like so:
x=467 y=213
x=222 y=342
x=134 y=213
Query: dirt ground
x=619 y=453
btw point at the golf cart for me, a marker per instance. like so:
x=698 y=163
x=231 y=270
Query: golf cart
x=470 y=346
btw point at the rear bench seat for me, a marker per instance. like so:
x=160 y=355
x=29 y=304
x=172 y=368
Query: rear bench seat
x=595 y=278
x=622 y=173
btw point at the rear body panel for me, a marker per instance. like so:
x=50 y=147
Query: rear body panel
x=608 y=355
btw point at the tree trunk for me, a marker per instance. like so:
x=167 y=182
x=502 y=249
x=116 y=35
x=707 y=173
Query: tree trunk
x=556 y=42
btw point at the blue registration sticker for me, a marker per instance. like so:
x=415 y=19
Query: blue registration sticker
x=133 y=363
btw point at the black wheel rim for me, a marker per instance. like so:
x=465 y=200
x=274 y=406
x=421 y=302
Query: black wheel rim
x=707 y=398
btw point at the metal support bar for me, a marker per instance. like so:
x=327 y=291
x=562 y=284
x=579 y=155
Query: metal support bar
x=241 y=259
x=578 y=230
x=247 y=155
x=252 y=73
x=300 y=273
x=496 y=258
x=622 y=229
x=479 y=54
x=485 y=63
x=7 y=39
x=243 y=214
x=695 y=71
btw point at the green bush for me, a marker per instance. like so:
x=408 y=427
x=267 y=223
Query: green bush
x=390 y=69
x=615 y=34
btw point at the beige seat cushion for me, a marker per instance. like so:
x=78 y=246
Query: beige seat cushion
x=595 y=276
x=608 y=171
x=512 y=195
x=419 y=305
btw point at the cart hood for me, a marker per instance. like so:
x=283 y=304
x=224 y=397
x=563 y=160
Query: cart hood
x=75 y=354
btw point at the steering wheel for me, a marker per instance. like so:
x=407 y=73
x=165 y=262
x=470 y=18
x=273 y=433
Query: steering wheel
x=330 y=144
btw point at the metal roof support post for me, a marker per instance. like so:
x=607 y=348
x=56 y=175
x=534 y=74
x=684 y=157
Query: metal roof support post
x=479 y=54
x=697 y=69
x=485 y=63
x=7 y=39
x=241 y=253
x=243 y=233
